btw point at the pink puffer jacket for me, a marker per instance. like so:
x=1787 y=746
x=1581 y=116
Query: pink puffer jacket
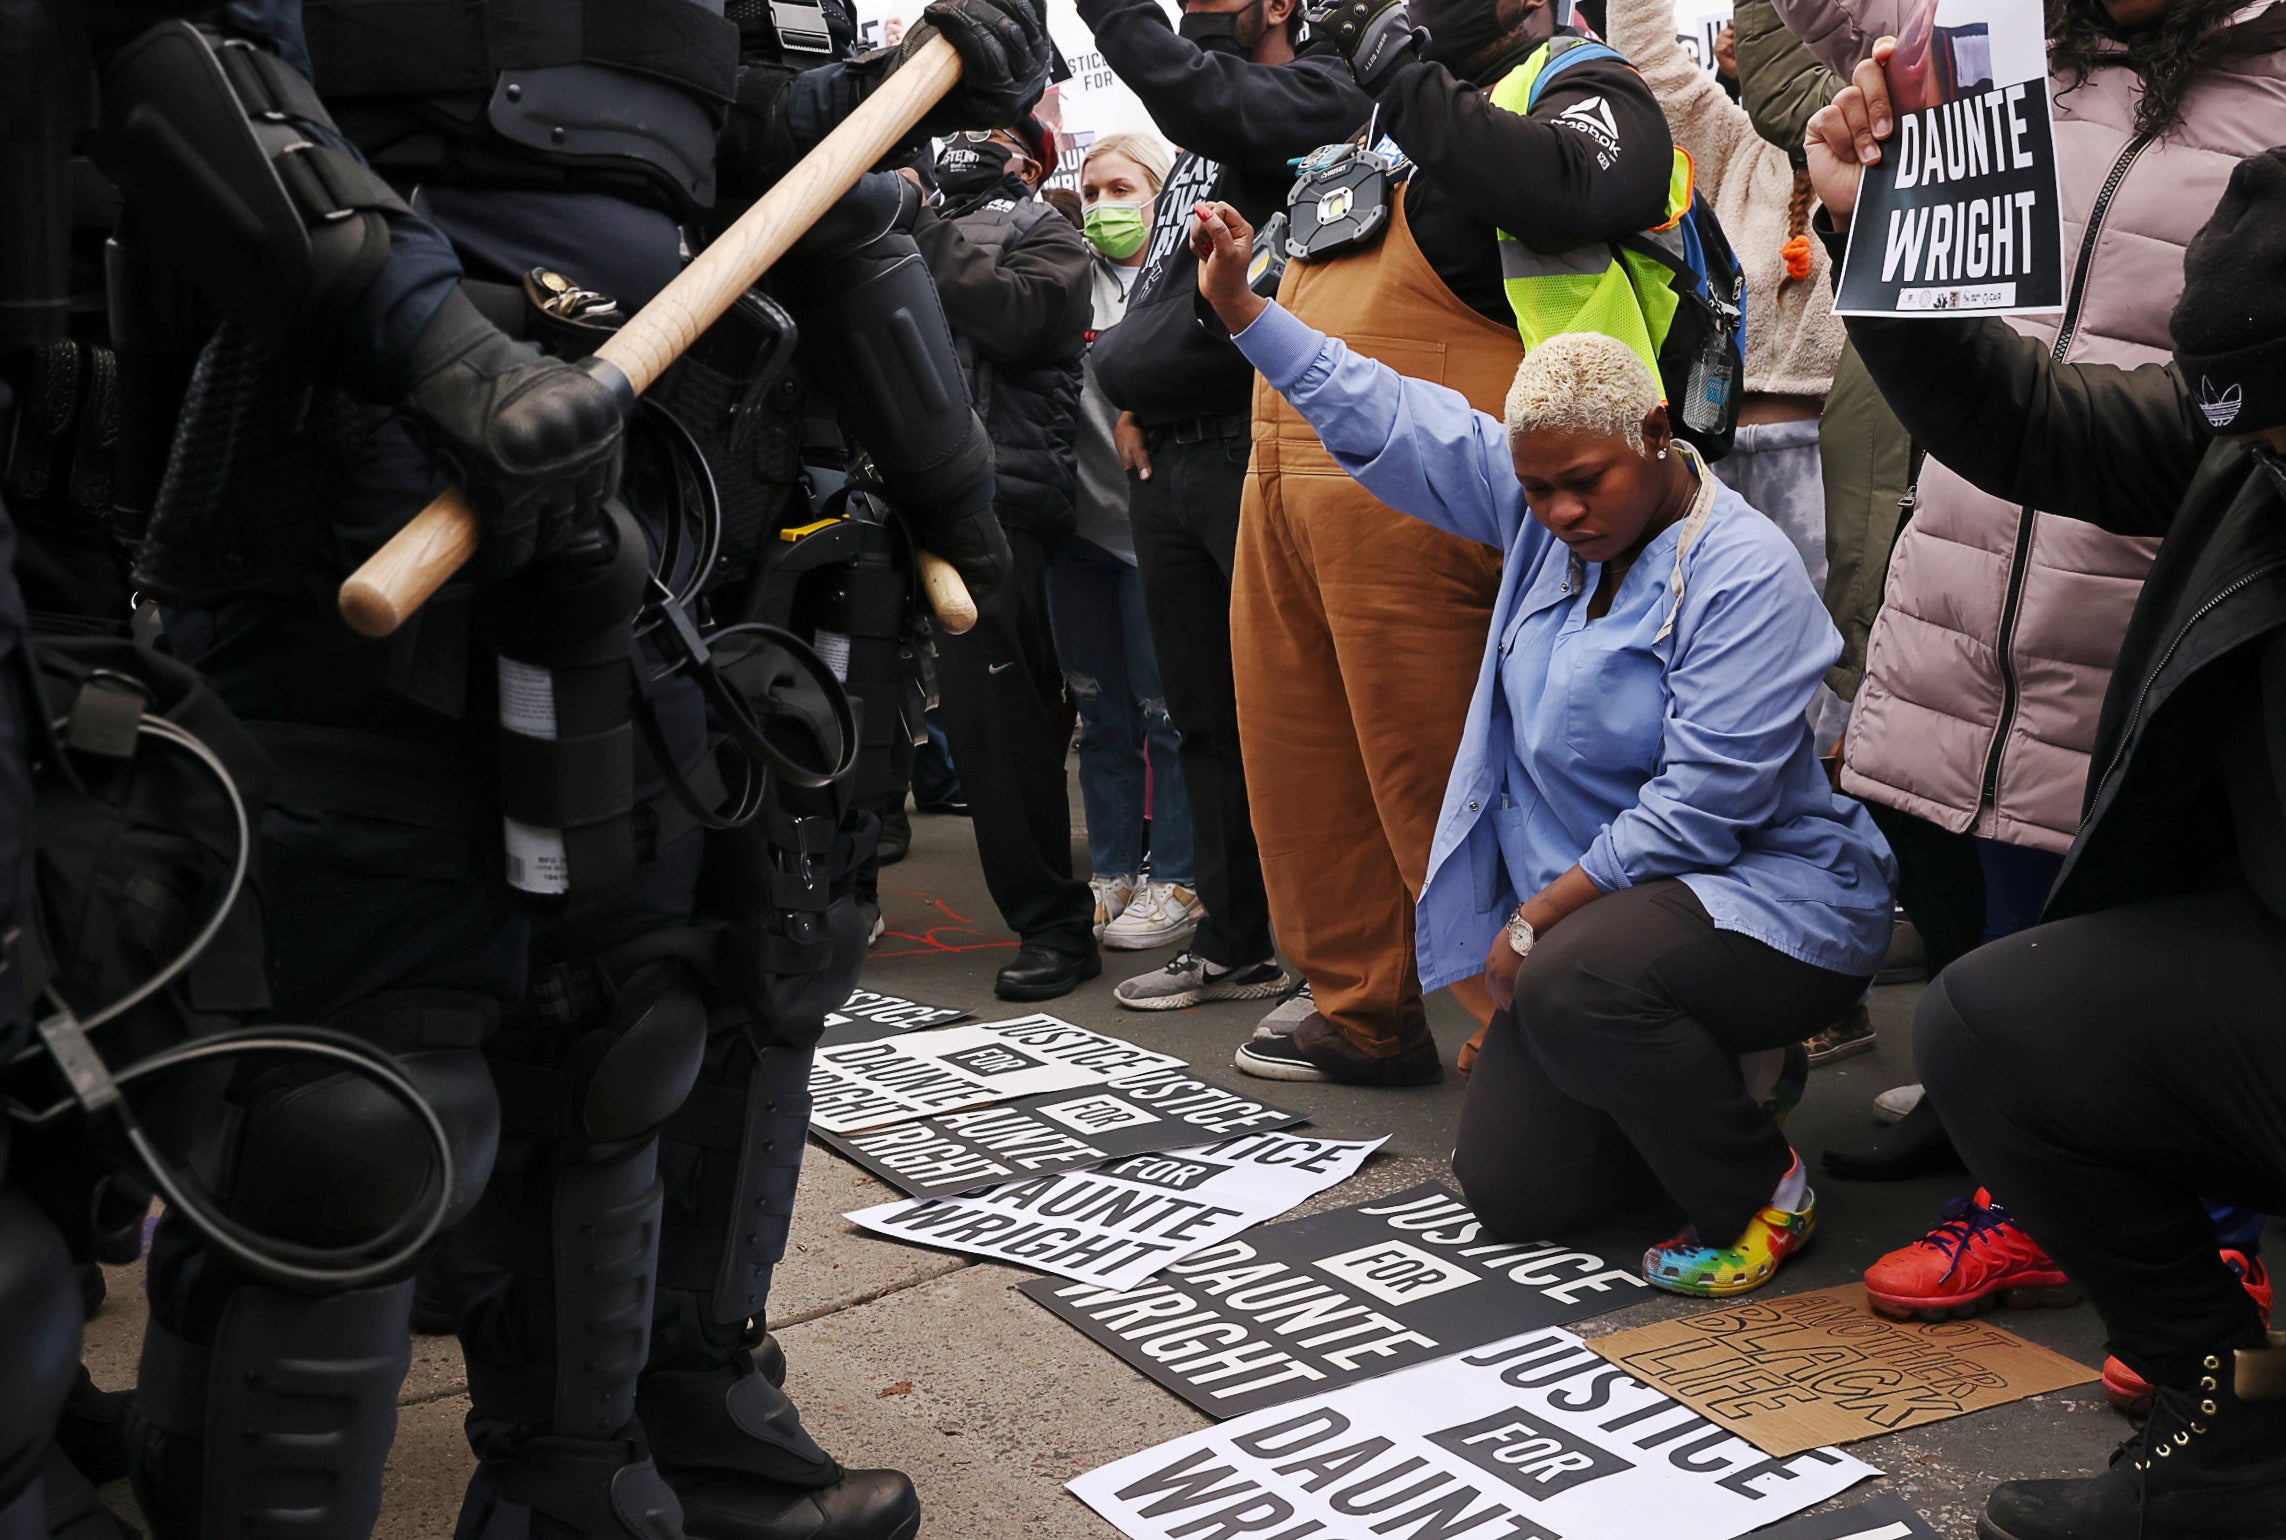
x=1999 y=625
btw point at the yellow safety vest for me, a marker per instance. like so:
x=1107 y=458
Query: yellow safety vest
x=1597 y=288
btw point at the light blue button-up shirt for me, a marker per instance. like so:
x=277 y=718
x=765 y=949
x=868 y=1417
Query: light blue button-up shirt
x=1634 y=754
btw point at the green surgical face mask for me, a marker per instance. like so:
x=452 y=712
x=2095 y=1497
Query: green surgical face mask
x=1118 y=229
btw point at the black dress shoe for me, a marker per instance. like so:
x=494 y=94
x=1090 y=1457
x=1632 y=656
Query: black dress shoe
x=896 y=839
x=1914 y=1145
x=1042 y=972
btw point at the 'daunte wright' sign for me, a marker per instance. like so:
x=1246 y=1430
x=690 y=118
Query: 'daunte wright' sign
x=1160 y=1109
x=1118 y=1224
x=1961 y=214
x=1315 y=1303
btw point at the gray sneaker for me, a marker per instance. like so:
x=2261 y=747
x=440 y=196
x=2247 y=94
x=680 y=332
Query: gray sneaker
x=1288 y=1014
x=1191 y=980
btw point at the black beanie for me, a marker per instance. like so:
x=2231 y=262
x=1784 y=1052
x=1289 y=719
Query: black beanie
x=2230 y=325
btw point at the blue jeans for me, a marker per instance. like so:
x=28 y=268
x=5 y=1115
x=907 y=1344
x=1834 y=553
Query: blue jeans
x=1096 y=603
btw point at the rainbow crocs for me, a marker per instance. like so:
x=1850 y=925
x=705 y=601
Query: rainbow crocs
x=1686 y=1265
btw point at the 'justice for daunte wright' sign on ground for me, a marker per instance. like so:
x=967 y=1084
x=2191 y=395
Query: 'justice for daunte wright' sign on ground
x=1315 y=1303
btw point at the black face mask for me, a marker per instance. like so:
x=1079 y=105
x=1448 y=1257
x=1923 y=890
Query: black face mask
x=1219 y=31
x=1459 y=30
x=967 y=168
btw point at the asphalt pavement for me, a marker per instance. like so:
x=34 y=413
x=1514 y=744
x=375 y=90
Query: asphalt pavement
x=935 y=1365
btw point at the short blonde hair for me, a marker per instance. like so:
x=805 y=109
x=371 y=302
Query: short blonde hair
x=1583 y=382
x=1147 y=150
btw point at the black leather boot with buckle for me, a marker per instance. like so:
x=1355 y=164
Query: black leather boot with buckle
x=2209 y=1465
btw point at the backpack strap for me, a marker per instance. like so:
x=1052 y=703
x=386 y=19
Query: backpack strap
x=1574 y=50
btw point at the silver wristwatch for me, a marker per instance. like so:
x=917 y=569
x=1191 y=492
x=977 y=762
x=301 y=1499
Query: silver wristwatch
x=1520 y=934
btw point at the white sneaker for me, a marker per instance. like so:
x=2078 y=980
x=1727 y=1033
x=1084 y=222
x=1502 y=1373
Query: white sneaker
x=1897 y=1101
x=1160 y=914
x=1289 y=1013
x=1112 y=896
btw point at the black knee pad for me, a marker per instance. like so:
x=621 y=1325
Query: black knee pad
x=40 y=1321
x=646 y=1068
x=329 y=1158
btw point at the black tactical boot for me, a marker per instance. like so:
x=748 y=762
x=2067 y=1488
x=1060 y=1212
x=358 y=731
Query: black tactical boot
x=2209 y=1465
x=734 y=1449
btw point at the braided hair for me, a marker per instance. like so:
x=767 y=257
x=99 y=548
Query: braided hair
x=1796 y=251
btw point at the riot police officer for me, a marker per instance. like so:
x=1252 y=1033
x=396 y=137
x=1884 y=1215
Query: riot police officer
x=354 y=374
x=654 y=1081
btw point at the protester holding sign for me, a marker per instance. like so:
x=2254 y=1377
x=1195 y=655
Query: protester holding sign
x=2106 y=1068
x=1636 y=774
x=2000 y=623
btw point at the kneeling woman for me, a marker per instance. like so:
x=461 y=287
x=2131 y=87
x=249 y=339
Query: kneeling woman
x=1638 y=847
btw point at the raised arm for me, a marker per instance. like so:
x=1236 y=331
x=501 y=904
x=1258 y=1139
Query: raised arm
x=1420 y=448
x=2116 y=447
x=1781 y=84
x=1841 y=32
x=1255 y=116
x=1708 y=125
x=1552 y=181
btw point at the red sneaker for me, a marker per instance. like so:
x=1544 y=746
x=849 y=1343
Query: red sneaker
x=2130 y=1392
x=1975 y=1257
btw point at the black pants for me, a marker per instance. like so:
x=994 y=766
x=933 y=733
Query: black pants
x=1186 y=537
x=1940 y=882
x=1002 y=694
x=2101 y=1074
x=1616 y=1075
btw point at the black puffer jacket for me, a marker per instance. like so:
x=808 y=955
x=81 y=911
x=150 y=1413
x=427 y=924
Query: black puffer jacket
x=2189 y=774
x=1015 y=276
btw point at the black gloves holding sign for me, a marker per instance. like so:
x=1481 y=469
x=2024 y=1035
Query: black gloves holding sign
x=1004 y=51
x=534 y=440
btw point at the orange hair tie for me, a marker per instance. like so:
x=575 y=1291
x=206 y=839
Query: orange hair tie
x=1797 y=255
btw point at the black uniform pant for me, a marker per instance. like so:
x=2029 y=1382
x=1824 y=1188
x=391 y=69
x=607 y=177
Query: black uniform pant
x=1616 y=1076
x=1186 y=537
x=2101 y=1073
x=1002 y=695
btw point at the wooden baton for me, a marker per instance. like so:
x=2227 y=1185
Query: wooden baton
x=400 y=577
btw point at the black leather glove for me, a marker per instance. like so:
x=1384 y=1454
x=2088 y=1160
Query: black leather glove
x=971 y=539
x=1004 y=50
x=534 y=441
x=1373 y=36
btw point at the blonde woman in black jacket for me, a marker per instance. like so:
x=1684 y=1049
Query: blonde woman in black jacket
x=2110 y=1065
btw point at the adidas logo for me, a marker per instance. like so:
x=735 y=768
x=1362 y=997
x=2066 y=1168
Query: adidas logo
x=1593 y=118
x=2220 y=410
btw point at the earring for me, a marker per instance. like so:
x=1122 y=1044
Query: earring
x=1662 y=454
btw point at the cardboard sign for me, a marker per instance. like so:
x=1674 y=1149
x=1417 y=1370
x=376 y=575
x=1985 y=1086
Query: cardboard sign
x=1961 y=216
x=878 y=1081
x=1118 y=1224
x=1888 y=1517
x=1162 y=1109
x=1821 y=1368
x=866 y=1014
x=1533 y=1436
x=1311 y=1304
